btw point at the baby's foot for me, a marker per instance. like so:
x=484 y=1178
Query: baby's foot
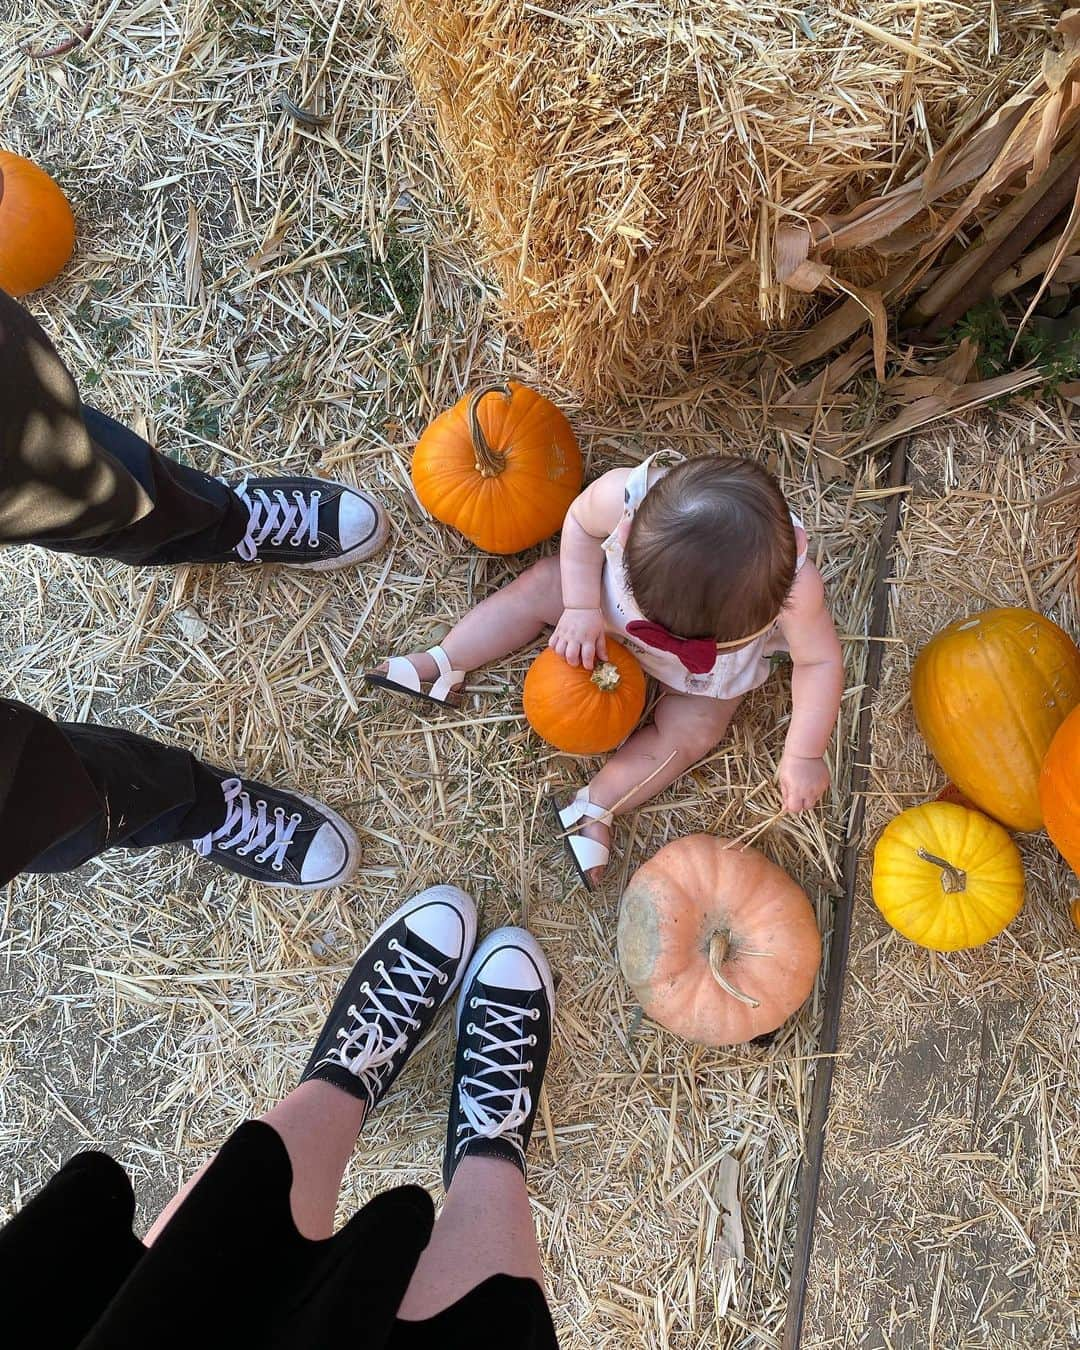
x=598 y=831
x=587 y=835
x=428 y=676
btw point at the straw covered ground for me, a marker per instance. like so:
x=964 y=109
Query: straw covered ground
x=630 y=162
x=252 y=293
x=949 y=1211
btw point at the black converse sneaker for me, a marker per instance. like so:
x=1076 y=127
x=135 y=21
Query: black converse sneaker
x=280 y=838
x=311 y=523
x=504 y=1035
x=408 y=970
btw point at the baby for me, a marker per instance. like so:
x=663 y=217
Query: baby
x=701 y=571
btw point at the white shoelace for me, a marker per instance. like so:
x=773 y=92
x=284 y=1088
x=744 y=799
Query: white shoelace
x=492 y=1111
x=248 y=828
x=381 y=1032
x=272 y=516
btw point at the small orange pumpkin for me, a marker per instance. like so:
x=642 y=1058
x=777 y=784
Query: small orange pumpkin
x=1074 y=912
x=717 y=943
x=585 y=712
x=1059 y=790
x=988 y=693
x=37 y=229
x=502 y=466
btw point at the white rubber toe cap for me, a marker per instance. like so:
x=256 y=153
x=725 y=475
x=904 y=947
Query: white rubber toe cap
x=511 y=958
x=445 y=918
x=327 y=859
x=361 y=524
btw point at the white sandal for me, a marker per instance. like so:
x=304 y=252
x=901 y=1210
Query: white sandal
x=585 y=853
x=403 y=678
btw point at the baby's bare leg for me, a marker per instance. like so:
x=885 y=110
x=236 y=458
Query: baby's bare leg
x=511 y=618
x=684 y=729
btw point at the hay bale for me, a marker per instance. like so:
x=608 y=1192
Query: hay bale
x=628 y=164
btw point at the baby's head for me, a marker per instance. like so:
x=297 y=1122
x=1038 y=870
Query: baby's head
x=711 y=550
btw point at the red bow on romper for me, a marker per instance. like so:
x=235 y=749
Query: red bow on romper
x=698 y=655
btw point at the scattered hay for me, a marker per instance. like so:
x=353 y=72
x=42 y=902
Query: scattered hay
x=630 y=164
x=948 y=1207
x=255 y=293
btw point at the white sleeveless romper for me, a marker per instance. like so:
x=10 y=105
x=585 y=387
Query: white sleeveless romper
x=735 y=672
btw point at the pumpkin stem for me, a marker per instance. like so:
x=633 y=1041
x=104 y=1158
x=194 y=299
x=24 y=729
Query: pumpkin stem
x=489 y=463
x=953 y=879
x=606 y=677
x=719 y=946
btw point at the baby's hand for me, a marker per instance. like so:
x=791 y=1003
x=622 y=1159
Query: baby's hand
x=579 y=637
x=802 y=781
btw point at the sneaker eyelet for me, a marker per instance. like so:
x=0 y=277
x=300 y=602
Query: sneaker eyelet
x=394 y=945
x=532 y=1040
x=473 y=1002
x=279 y=812
x=534 y=1014
x=261 y=803
x=529 y=1066
x=277 y=866
x=444 y=979
x=430 y=1002
x=470 y=1030
x=467 y=1055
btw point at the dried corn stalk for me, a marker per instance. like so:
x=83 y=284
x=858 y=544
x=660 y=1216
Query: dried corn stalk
x=1018 y=169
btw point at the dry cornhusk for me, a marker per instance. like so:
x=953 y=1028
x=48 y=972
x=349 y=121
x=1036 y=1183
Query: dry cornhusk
x=629 y=165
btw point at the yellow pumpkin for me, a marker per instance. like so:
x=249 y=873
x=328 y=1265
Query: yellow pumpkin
x=947 y=877
x=988 y=693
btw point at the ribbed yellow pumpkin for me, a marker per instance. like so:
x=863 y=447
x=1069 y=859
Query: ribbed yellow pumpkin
x=988 y=693
x=947 y=877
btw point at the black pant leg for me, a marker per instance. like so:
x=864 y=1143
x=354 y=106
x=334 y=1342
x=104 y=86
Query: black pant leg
x=73 y=480
x=97 y=788
x=45 y=792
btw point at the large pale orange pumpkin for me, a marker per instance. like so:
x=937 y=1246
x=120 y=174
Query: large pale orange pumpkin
x=584 y=712
x=717 y=943
x=988 y=693
x=1059 y=790
x=502 y=466
x=37 y=229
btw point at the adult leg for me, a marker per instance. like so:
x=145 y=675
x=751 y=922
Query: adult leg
x=318 y=1125
x=387 y=1005
x=79 y=789
x=486 y=1214
x=75 y=481
x=504 y=1035
x=509 y=619
x=685 y=727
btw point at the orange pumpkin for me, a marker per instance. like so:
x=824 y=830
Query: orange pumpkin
x=37 y=229
x=988 y=694
x=1074 y=913
x=718 y=944
x=1059 y=790
x=584 y=712
x=502 y=466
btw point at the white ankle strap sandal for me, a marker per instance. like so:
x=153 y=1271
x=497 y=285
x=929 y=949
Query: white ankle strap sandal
x=585 y=853
x=402 y=677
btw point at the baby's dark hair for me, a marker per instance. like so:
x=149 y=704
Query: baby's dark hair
x=711 y=550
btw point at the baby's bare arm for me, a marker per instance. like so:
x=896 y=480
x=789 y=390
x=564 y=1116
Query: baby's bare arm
x=817 y=685
x=579 y=634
